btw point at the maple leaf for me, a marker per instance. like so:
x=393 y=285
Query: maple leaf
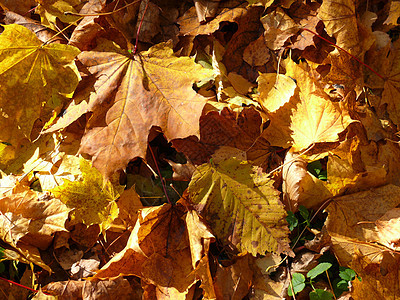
x=89 y=27
x=29 y=220
x=299 y=186
x=233 y=282
x=159 y=250
x=92 y=199
x=225 y=129
x=394 y=14
x=241 y=206
x=317 y=119
x=31 y=73
x=392 y=84
x=275 y=90
x=74 y=289
x=310 y=115
x=189 y=24
x=154 y=88
x=50 y=10
x=278 y=28
x=356 y=241
x=340 y=21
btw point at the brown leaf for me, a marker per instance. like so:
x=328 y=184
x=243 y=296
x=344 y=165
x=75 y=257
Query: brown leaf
x=189 y=22
x=89 y=27
x=32 y=218
x=233 y=282
x=157 y=251
x=99 y=289
x=256 y=53
x=248 y=31
x=206 y=9
x=43 y=33
x=134 y=94
x=299 y=186
x=225 y=129
x=357 y=243
x=278 y=28
x=340 y=21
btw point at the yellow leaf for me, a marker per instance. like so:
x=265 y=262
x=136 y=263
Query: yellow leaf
x=92 y=199
x=50 y=10
x=241 y=206
x=339 y=17
x=275 y=90
x=30 y=73
x=317 y=120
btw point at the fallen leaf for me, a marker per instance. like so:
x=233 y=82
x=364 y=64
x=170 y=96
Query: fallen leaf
x=237 y=198
x=278 y=28
x=92 y=199
x=388 y=228
x=89 y=27
x=256 y=53
x=50 y=10
x=225 y=129
x=158 y=251
x=340 y=21
x=233 y=282
x=132 y=111
x=299 y=186
x=357 y=243
x=394 y=14
x=275 y=91
x=32 y=218
x=31 y=73
x=248 y=28
x=206 y=9
x=43 y=33
x=119 y=288
x=317 y=120
x=189 y=23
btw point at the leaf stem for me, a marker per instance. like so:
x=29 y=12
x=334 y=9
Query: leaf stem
x=139 y=28
x=23 y=286
x=70 y=13
x=333 y=44
x=330 y=284
x=159 y=174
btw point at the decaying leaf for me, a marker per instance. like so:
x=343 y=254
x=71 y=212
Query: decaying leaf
x=162 y=250
x=241 y=206
x=93 y=199
x=119 y=288
x=299 y=186
x=137 y=96
x=31 y=73
x=29 y=220
x=351 y=223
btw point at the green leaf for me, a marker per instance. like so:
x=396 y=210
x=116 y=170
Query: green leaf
x=241 y=206
x=320 y=295
x=321 y=268
x=292 y=220
x=342 y=285
x=347 y=273
x=316 y=169
x=304 y=212
x=298 y=283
